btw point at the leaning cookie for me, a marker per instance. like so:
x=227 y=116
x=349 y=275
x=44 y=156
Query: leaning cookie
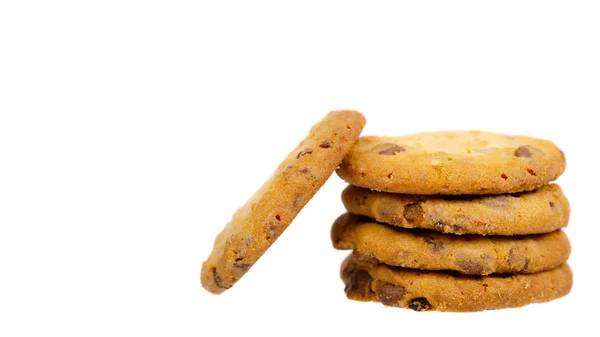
x=541 y=211
x=430 y=250
x=257 y=224
x=463 y=162
x=444 y=291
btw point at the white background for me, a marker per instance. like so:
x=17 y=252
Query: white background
x=130 y=131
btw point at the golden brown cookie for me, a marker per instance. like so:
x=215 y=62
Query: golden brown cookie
x=541 y=211
x=463 y=162
x=445 y=291
x=431 y=250
x=257 y=224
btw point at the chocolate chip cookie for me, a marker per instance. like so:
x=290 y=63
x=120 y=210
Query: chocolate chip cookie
x=431 y=250
x=445 y=291
x=541 y=211
x=257 y=224
x=463 y=162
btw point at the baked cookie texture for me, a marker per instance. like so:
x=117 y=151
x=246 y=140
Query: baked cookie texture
x=451 y=163
x=541 y=211
x=258 y=223
x=431 y=250
x=444 y=291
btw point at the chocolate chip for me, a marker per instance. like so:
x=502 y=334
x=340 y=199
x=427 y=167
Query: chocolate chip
x=445 y=228
x=470 y=267
x=272 y=231
x=436 y=246
x=239 y=264
x=552 y=205
x=303 y=152
x=523 y=152
x=413 y=212
x=359 y=283
x=513 y=256
x=419 y=304
x=370 y=258
x=504 y=176
x=218 y=280
x=532 y=172
x=361 y=200
x=326 y=143
x=388 y=149
x=297 y=200
x=389 y=294
x=440 y=226
x=526 y=265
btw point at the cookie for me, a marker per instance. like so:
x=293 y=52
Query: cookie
x=444 y=291
x=541 y=211
x=257 y=224
x=463 y=162
x=466 y=254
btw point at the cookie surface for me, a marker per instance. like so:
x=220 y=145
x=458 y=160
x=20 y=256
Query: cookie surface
x=541 y=211
x=431 y=250
x=443 y=291
x=257 y=224
x=462 y=162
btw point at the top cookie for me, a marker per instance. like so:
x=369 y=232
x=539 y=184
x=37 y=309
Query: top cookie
x=462 y=162
x=257 y=224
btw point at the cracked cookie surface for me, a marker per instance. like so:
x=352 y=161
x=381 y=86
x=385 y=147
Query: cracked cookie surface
x=461 y=162
x=257 y=224
x=431 y=250
x=445 y=291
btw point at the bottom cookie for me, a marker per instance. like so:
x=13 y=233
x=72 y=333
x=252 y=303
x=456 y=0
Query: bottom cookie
x=446 y=291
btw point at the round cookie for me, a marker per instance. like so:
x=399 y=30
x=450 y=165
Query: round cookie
x=466 y=254
x=257 y=224
x=443 y=291
x=462 y=162
x=541 y=211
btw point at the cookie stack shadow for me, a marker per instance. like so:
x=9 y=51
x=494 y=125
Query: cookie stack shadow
x=454 y=221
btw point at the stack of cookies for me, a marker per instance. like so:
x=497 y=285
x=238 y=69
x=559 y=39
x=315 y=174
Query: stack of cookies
x=454 y=221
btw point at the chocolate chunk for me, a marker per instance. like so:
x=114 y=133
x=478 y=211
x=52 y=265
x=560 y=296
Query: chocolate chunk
x=440 y=227
x=470 y=267
x=272 y=231
x=359 y=284
x=303 y=152
x=445 y=228
x=523 y=152
x=370 y=258
x=389 y=294
x=436 y=246
x=420 y=304
x=413 y=212
x=513 y=256
x=297 y=200
x=239 y=264
x=388 y=149
x=326 y=143
x=218 y=280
